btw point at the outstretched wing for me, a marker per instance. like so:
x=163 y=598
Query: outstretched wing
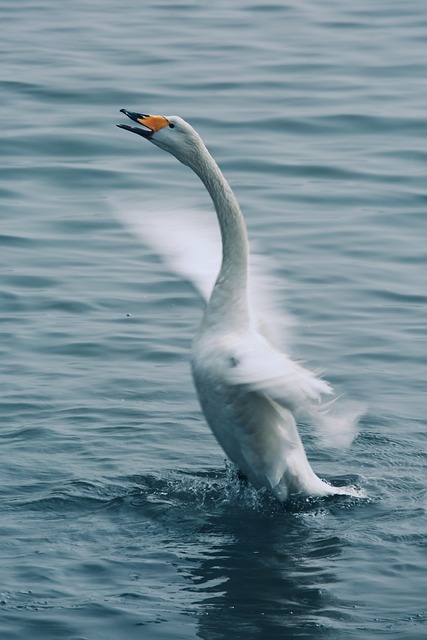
x=189 y=243
x=255 y=365
x=258 y=366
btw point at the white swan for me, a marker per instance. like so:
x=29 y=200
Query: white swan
x=250 y=392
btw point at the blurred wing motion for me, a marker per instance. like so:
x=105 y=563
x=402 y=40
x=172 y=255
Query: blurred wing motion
x=187 y=241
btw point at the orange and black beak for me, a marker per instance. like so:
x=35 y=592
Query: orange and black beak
x=150 y=124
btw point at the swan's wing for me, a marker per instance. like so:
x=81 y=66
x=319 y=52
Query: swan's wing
x=189 y=243
x=258 y=367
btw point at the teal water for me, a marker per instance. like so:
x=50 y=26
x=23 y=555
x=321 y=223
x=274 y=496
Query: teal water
x=119 y=517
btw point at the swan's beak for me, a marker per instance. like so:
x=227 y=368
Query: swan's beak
x=151 y=124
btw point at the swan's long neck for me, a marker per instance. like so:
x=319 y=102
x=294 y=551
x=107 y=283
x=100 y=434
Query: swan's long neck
x=229 y=297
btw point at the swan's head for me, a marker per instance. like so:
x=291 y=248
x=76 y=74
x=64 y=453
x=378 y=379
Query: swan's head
x=170 y=133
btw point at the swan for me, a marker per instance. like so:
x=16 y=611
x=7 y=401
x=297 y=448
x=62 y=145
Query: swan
x=250 y=392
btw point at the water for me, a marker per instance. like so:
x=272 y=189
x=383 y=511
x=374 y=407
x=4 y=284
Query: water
x=119 y=517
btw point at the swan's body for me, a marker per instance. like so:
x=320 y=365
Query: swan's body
x=250 y=392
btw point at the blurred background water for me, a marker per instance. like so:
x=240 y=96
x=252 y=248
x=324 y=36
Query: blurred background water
x=119 y=517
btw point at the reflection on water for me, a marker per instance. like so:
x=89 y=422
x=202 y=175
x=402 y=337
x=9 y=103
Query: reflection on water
x=259 y=568
x=262 y=581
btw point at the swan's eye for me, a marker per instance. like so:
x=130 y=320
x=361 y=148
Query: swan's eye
x=171 y=125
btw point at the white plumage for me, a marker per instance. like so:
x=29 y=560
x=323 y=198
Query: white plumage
x=250 y=393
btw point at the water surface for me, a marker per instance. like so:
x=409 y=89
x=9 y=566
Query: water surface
x=119 y=515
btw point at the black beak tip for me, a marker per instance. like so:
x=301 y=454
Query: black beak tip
x=145 y=133
x=136 y=117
